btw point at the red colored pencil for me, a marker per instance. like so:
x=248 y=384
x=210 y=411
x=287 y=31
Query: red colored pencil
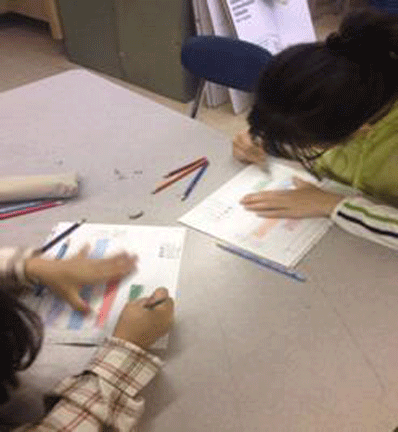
x=162 y=185
x=176 y=171
x=27 y=210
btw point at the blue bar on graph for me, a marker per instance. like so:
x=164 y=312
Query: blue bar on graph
x=57 y=307
x=76 y=318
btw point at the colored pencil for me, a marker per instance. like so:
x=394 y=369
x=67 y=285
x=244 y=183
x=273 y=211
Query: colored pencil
x=154 y=304
x=62 y=250
x=171 y=173
x=264 y=262
x=61 y=236
x=194 y=181
x=23 y=211
x=20 y=206
x=164 y=184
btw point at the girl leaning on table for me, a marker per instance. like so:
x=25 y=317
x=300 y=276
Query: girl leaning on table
x=97 y=399
x=333 y=106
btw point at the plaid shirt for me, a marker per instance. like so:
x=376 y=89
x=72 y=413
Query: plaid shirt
x=104 y=397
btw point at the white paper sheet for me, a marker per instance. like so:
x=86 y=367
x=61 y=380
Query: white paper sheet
x=254 y=21
x=294 y=23
x=159 y=250
x=273 y=25
x=284 y=241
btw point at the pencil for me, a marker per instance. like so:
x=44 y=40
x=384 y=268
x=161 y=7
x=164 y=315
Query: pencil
x=264 y=262
x=21 y=206
x=171 y=173
x=61 y=236
x=164 y=184
x=156 y=303
x=194 y=181
x=62 y=250
x=23 y=211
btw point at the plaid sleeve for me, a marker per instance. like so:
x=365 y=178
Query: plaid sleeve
x=12 y=266
x=376 y=222
x=105 y=396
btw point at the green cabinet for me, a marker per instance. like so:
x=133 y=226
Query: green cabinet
x=136 y=40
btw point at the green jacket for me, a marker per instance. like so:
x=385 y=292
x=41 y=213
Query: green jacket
x=367 y=163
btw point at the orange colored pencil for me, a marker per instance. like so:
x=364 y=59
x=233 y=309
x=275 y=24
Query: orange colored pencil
x=164 y=184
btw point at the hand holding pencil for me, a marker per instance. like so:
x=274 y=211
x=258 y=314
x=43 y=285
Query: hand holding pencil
x=142 y=323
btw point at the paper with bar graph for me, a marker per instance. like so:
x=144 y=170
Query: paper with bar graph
x=159 y=250
x=281 y=240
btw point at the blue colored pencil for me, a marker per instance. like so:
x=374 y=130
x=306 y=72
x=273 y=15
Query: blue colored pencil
x=20 y=206
x=30 y=209
x=62 y=250
x=194 y=181
x=264 y=262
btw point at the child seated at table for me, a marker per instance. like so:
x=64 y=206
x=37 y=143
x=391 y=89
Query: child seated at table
x=333 y=106
x=97 y=397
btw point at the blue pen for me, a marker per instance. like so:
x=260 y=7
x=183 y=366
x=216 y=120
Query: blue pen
x=194 y=181
x=20 y=206
x=264 y=262
x=60 y=254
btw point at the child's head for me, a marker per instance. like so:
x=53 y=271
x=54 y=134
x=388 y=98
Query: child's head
x=20 y=340
x=318 y=94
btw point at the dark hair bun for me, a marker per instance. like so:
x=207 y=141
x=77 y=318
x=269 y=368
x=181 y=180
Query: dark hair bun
x=366 y=36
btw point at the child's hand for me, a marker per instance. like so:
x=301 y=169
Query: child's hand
x=306 y=200
x=143 y=326
x=245 y=150
x=66 y=277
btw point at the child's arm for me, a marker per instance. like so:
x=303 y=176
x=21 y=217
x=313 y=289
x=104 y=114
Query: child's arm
x=22 y=267
x=357 y=215
x=376 y=222
x=12 y=267
x=106 y=395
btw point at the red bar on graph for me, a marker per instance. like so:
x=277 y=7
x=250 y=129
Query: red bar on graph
x=109 y=297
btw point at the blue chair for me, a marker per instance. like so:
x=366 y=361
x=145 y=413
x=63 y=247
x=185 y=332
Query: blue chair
x=229 y=62
x=390 y=6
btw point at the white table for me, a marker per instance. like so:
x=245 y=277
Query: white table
x=251 y=350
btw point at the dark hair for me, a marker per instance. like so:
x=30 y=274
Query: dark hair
x=320 y=93
x=21 y=335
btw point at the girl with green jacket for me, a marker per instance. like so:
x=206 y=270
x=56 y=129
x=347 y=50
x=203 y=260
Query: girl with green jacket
x=333 y=106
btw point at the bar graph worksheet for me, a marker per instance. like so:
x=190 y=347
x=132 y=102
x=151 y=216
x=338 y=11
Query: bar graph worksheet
x=159 y=250
x=281 y=240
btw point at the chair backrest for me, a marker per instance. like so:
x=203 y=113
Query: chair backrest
x=230 y=62
x=386 y=5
